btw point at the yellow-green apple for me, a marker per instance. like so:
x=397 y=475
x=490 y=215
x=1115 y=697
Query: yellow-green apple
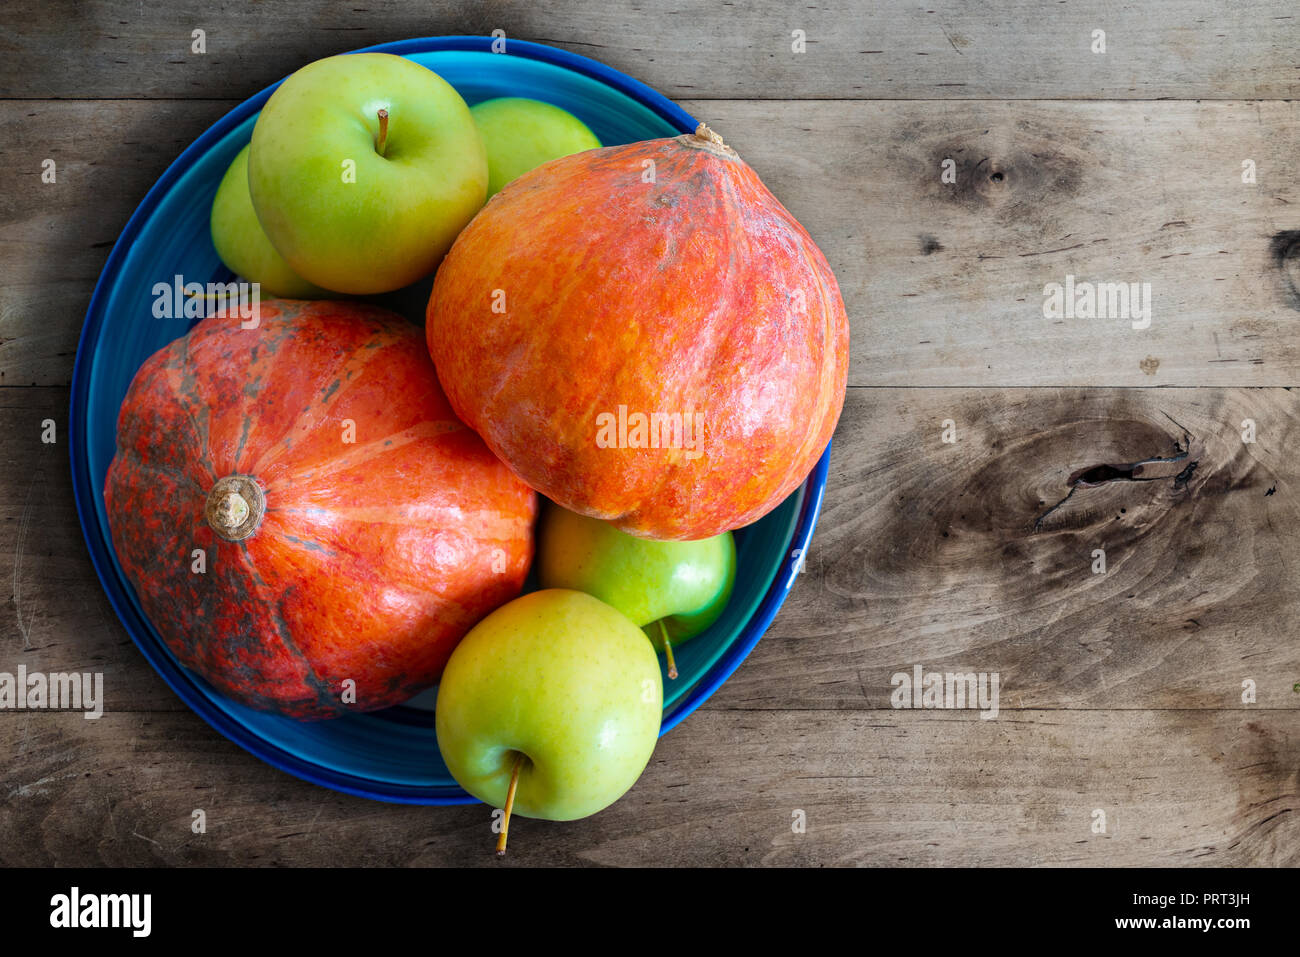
x=673 y=590
x=550 y=707
x=363 y=169
x=521 y=134
x=243 y=245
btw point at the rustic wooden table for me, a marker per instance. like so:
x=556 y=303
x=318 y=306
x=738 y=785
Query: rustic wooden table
x=1170 y=159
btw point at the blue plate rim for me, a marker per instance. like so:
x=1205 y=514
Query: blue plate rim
x=84 y=490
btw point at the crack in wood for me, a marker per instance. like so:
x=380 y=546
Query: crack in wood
x=1095 y=475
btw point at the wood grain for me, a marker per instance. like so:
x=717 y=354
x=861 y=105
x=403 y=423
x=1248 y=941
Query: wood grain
x=880 y=788
x=980 y=555
x=55 y=237
x=1120 y=692
x=56 y=615
x=943 y=282
x=926 y=553
x=696 y=48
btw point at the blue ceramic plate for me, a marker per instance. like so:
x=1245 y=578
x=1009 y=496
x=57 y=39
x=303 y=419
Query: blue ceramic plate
x=390 y=755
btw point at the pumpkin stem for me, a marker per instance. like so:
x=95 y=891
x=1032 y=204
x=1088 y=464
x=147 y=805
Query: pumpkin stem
x=704 y=133
x=706 y=139
x=235 y=507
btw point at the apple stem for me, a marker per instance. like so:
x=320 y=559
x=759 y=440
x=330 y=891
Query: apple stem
x=668 y=651
x=382 y=143
x=510 y=805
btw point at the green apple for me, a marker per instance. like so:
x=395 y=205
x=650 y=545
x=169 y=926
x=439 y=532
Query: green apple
x=364 y=168
x=674 y=590
x=243 y=245
x=521 y=135
x=558 y=691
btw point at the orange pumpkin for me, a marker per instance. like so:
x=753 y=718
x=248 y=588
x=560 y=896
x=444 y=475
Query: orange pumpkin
x=645 y=335
x=297 y=506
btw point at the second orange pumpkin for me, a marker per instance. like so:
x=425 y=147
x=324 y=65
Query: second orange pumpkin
x=644 y=334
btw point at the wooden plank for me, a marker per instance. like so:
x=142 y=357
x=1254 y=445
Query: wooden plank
x=944 y=283
x=853 y=49
x=926 y=554
x=56 y=615
x=880 y=788
x=55 y=237
x=934 y=554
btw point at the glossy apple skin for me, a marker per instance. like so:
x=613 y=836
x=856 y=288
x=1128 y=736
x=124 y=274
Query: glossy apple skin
x=521 y=134
x=564 y=679
x=394 y=223
x=684 y=584
x=242 y=243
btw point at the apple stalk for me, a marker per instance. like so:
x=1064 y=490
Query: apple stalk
x=668 y=651
x=381 y=143
x=510 y=805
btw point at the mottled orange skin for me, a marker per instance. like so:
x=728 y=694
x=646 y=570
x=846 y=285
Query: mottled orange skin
x=698 y=291
x=373 y=559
